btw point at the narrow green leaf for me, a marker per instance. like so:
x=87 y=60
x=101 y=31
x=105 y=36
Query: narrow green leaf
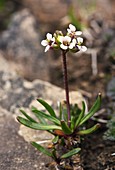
x=92 y=111
x=70 y=153
x=48 y=107
x=90 y=130
x=55 y=140
x=39 y=117
x=72 y=122
x=37 y=126
x=64 y=112
x=65 y=128
x=42 y=149
x=60 y=111
x=48 y=117
x=27 y=116
x=81 y=114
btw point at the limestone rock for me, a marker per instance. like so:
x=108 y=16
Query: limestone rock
x=18 y=93
x=48 y=11
x=15 y=92
x=21 y=93
x=15 y=152
x=20 y=44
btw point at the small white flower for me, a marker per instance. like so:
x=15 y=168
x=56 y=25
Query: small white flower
x=72 y=44
x=79 y=40
x=79 y=44
x=65 y=39
x=65 y=42
x=49 y=42
x=82 y=48
x=72 y=30
x=49 y=36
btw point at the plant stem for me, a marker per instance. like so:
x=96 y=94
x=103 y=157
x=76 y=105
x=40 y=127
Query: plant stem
x=66 y=85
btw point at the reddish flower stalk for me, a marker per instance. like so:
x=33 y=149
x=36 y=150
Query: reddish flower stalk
x=65 y=76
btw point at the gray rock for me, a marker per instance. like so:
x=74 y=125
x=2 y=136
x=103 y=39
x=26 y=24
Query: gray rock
x=48 y=11
x=15 y=152
x=111 y=89
x=21 y=45
x=15 y=92
x=20 y=93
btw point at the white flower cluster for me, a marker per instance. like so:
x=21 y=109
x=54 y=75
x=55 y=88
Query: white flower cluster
x=71 y=41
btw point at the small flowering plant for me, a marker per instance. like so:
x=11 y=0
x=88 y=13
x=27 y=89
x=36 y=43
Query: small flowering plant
x=70 y=42
x=69 y=124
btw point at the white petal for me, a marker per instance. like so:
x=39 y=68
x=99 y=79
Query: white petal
x=83 y=48
x=72 y=27
x=74 y=41
x=44 y=42
x=68 y=30
x=78 y=33
x=52 y=44
x=80 y=40
x=79 y=47
x=64 y=47
x=71 y=46
x=53 y=39
x=67 y=38
x=49 y=36
x=47 y=48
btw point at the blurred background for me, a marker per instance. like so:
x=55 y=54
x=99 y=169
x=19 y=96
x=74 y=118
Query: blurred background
x=24 y=23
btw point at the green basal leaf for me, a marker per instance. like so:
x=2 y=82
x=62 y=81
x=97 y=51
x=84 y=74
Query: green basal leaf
x=65 y=128
x=55 y=140
x=40 y=118
x=54 y=154
x=92 y=111
x=81 y=114
x=48 y=117
x=75 y=110
x=70 y=153
x=42 y=149
x=37 y=126
x=27 y=116
x=47 y=107
x=90 y=130
x=60 y=111
x=72 y=122
x=63 y=115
